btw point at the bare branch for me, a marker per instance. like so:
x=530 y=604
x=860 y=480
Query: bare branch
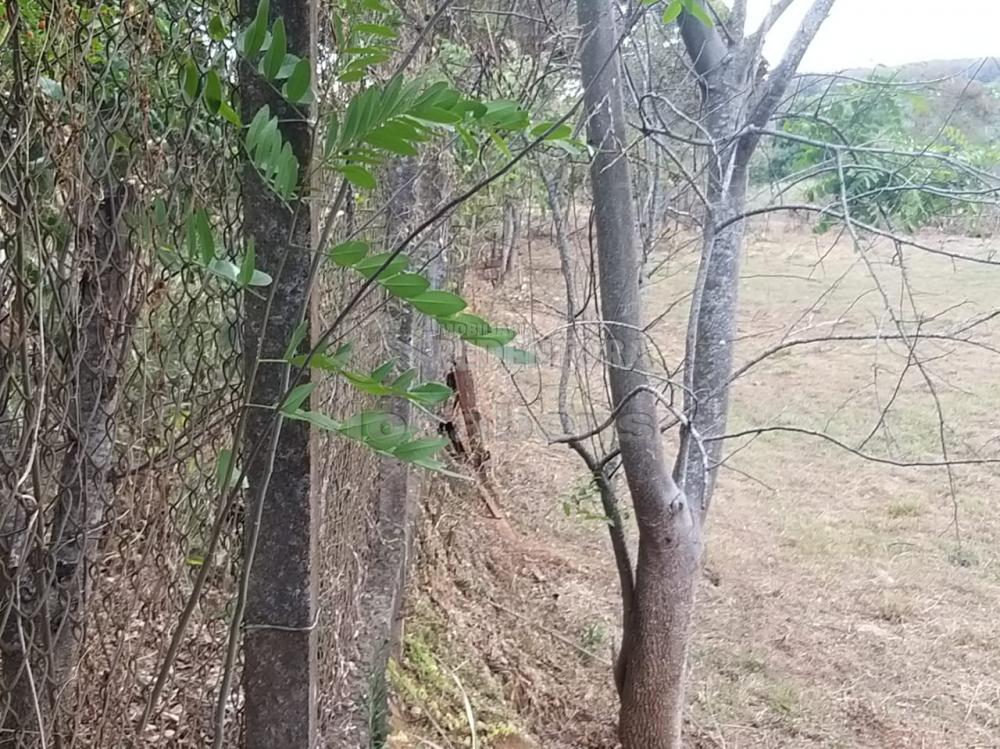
x=777 y=82
x=774 y=13
x=757 y=431
x=860 y=338
x=738 y=18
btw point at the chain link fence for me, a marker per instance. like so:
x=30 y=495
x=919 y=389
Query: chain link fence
x=121 y=383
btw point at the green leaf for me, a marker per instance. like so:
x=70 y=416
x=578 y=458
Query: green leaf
x=217 y=29
x=355 y=118
x=438 y=303
x=275 y=54
x=253 y=37
x=247 y=265
x=317 y=419
x=288 y=66
x=380 y=373
x=191 y=80
x=371 y=265
x=672 y=11
x=212 y=93
x=348 y=253
x=229 y=114
x=496 y=337
x=297 y=397
x=203 y=247
x=351 y=76
x=465 y=325
x=381 y=430
x=325 y=362
x=470 y=142
x=298 y=335
x=473 y=107
x=224 y=269
x=696 y=9
x=288 y=172
x=429 y=393
x=260 y=278
x=358 y=176
x=225 y=471
x=366 y=384
x=501 y=114
x=404 y=381
x=386 y=141
x=257 y=125
x=500 y=143
x=332 y=128
x=231 y=272
x=297 y=86
x=437 y=115
x=513 y=355
x=375 y=30
x=405 y=285
x=419 y=449
x=560 y=132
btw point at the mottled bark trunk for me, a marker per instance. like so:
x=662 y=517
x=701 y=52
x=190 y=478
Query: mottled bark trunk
x=45 y=626
x=380 y=605
x=711 y=339
x=279 y=646
x=654 y=648
x=734 y=97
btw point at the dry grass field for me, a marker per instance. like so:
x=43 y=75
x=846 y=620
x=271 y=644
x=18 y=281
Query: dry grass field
x=846 y=602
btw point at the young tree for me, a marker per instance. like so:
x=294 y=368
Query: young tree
x=671 y=505
x=650 y=670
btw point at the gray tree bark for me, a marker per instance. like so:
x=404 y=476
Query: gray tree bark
x=280 y=658
x=385 y=575
x=735 y=103
x=654 y=647
x=670 y=506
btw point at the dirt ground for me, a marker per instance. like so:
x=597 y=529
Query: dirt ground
x=846 y=602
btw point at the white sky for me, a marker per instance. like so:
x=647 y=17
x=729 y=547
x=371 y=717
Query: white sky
x=863 y=33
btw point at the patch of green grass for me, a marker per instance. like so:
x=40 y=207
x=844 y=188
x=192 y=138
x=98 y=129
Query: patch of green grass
x=963 y=556
x=593 y=637
x=903 y=509
x=423 y=681
x=782 y=697
x=752 y=664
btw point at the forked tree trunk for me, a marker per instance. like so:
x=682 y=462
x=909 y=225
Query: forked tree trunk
x=736 y=101
x=654 y=647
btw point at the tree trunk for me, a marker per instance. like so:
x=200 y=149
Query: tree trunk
x=381 y=595
x=654 y=648
x=509 y=234
x=734 y=97
x=280 y=656
x=52 y=589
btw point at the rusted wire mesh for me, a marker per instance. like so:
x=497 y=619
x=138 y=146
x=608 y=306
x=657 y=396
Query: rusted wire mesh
x=120 y=377
x=121 y=384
